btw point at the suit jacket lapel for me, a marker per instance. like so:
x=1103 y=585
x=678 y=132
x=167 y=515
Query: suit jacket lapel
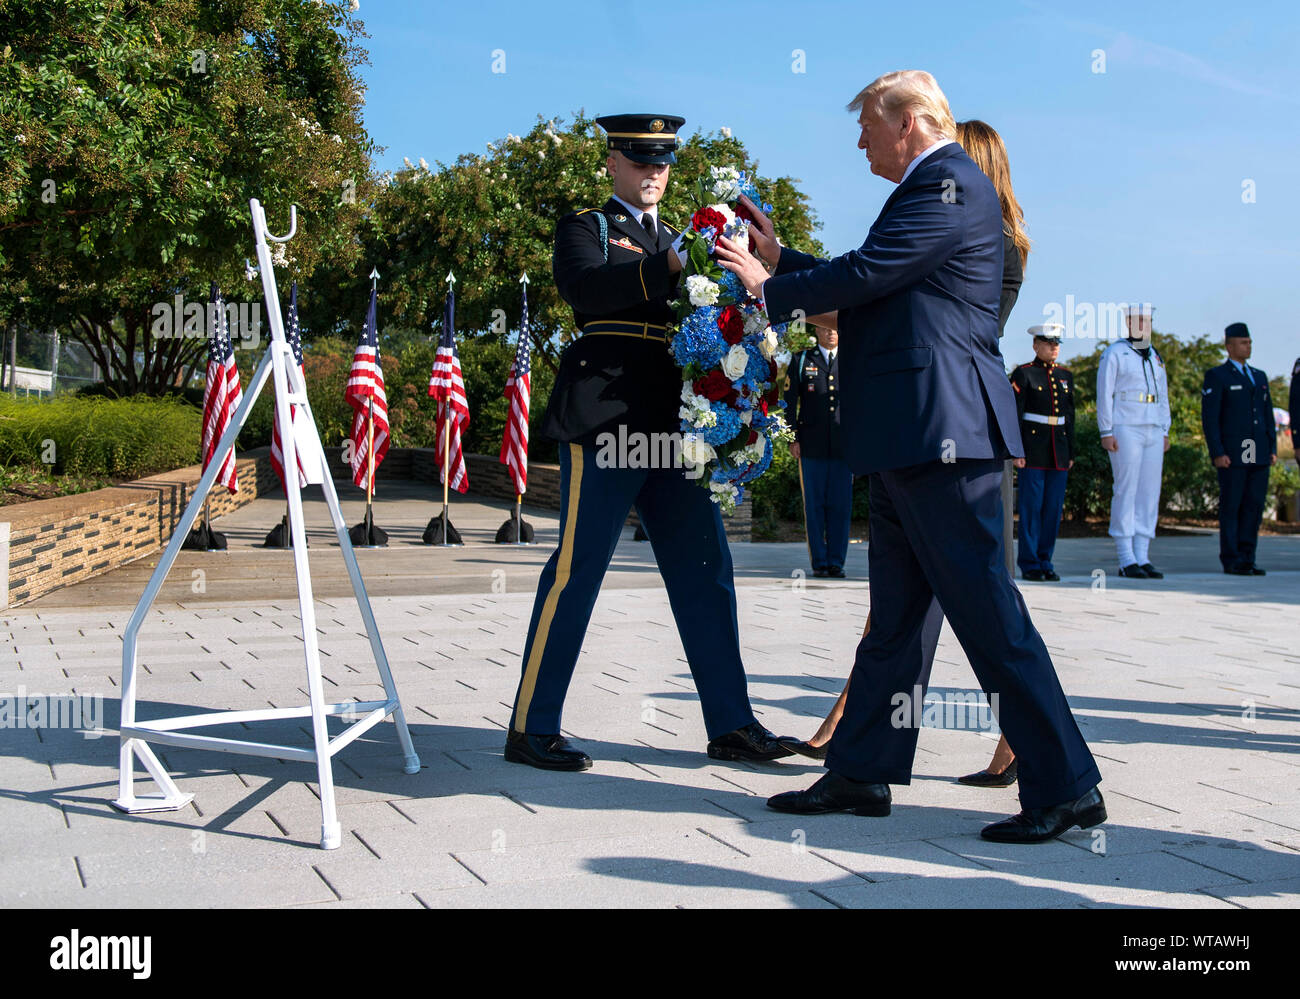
x=629 y=227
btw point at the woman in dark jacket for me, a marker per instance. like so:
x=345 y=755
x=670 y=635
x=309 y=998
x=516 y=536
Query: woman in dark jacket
x=983 y=145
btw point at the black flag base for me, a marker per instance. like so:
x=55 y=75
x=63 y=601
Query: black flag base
x=508 y=533
x=441 y=532
x=640 y=534
x=280 y=536
x=204 y=539
x=366 y=534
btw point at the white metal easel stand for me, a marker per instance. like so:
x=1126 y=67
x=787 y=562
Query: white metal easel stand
x=297 y=432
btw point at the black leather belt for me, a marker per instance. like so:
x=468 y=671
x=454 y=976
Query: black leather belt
x=614 y=327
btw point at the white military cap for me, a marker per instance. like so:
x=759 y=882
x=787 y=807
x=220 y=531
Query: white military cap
x=1048 y=331
x=1139 y=309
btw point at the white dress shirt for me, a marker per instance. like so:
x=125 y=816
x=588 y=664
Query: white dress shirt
x=636 y=213
x=922 y=155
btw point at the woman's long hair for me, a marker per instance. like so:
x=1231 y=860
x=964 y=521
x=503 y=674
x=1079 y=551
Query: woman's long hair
x=983 y=145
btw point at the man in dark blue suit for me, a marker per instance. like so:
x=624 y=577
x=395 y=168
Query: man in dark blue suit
x=929 y=414
x=1237 y=417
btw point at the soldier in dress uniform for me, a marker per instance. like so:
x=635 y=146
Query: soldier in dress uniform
x=1045 y=403
x=618 y=266
x=812 y=408
x=1237 y=417
x=1133 y=418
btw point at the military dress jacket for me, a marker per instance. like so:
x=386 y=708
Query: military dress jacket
x=812 y=404
x=1237 y=415
x=1045 y=405
x=618 y=372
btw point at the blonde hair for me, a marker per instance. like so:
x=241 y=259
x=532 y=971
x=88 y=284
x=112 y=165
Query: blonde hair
x=983 y=145
x=911 y=90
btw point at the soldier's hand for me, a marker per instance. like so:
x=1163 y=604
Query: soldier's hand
x=1109 y=444
x=795 y=450
x=762 y=232
x=1166 y=443
x=1070 y=465
x=1018 y=462
x=1222 y=461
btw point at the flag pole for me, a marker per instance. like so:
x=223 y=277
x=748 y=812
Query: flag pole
x=446 y=447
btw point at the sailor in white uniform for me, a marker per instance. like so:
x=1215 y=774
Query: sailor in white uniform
x=1133 y=418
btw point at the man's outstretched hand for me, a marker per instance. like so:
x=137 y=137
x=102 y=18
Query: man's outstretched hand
x=743 y=264
x=762 y=233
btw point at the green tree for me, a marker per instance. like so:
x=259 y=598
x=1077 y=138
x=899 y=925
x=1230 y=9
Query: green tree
x=134 y=135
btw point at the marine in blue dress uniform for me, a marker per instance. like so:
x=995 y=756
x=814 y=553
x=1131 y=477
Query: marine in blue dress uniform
x=1045 y=405
x=1237 y=417
x=617 y=267
x=812 y=408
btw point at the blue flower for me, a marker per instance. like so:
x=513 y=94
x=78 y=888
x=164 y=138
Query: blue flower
x=699 y=341
x=727 y=427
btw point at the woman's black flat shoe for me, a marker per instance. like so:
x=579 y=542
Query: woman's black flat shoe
x=987 y=779
x=804 y=748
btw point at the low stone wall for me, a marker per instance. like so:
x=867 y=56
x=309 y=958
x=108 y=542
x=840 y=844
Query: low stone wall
x=64 y=540
x=51 y=543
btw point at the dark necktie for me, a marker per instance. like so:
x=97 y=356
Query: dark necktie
x=647 y=220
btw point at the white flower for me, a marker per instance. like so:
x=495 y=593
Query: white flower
x=755 y=321
x=423 y=163
x=696 y=451
x=726 y=183
x=278 y=255
x=518 y=206
x=768 y=344
x=726 y=132
x=407 y=161
x=354 y=5
x=701 y=290
x=600 y=172
x=20 y=138
x=735 y=362
x=541 y=154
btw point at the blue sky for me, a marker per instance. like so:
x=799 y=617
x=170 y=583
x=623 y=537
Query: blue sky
x=1131 y=179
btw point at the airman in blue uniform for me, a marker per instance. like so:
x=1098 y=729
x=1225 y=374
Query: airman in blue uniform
x=1237 y=417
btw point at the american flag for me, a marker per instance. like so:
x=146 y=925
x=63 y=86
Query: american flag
x=294 y=335
x=366 y=382
x=221 y=392
x=448 y=387
x=514 y=446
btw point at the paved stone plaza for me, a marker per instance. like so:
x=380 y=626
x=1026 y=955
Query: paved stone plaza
x=1187 y=689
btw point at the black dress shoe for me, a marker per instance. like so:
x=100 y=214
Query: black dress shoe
x=805 y=748
x=1133 y=571
x=834 y=793
x=820 y=573
x=1051 y=576
x=753 y=743
x=1038 y=825
x=987 y=778
x=1257 y=571
x=1151 y=571
x=546 y=752
x=1239 y=570
x=1033 y=575
x=835 y=572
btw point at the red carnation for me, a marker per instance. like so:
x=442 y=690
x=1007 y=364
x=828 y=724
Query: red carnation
x=716 y=386
x=732 y=325
x=706 y=217
x=762 y=404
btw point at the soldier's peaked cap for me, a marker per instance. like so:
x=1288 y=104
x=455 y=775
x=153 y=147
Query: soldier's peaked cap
x=1235 y=329
x=643 y=138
